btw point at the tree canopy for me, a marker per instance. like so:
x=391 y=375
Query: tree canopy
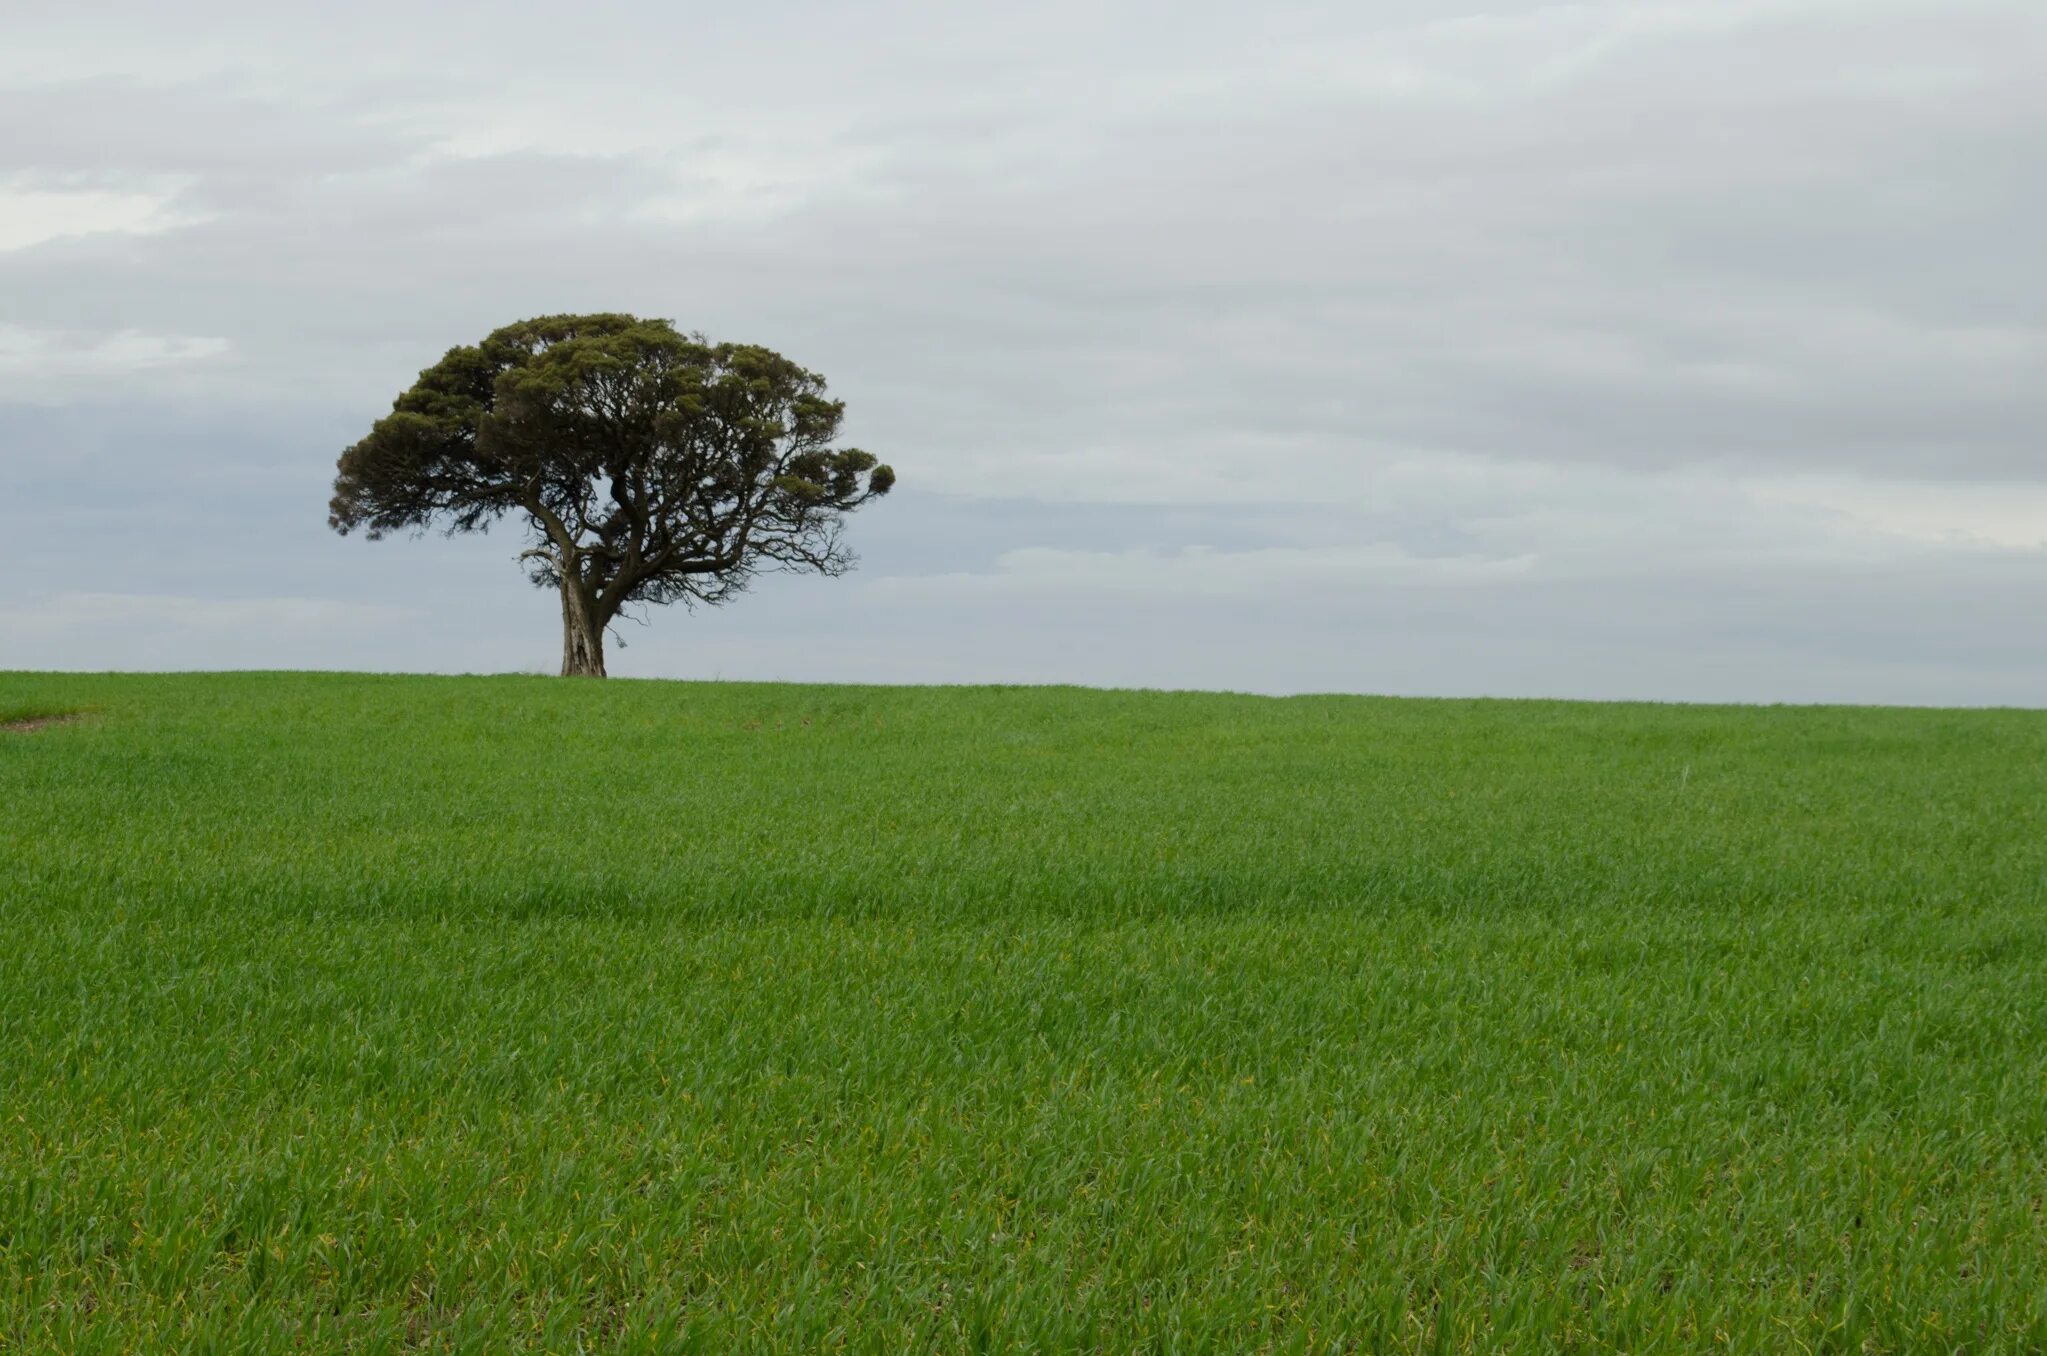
x=648 y=465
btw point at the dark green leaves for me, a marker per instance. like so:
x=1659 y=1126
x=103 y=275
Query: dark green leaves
x=649 y=464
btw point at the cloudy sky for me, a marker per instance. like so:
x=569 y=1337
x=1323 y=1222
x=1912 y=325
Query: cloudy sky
x=1680 y=349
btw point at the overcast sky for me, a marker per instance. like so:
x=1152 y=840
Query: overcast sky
x=1678 y=349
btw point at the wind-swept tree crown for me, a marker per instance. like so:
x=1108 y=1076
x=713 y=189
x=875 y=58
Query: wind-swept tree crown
x=654 y=466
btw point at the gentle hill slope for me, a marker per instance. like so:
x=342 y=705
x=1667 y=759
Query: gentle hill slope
x=344 y=1010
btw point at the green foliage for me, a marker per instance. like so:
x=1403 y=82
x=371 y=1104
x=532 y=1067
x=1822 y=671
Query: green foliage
x=347 y=1013
x=648 y=466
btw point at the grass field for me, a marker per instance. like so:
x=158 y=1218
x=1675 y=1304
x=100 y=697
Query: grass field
x=370 y=1014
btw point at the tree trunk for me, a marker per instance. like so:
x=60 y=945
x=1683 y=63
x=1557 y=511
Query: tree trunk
x=582 y=633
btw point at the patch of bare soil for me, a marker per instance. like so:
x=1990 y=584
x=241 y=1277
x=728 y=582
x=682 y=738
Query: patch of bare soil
x=29 y=723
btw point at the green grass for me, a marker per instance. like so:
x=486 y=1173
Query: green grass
x=351 y=1013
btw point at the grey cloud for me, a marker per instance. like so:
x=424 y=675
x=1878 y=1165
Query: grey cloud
x=1443 y=278
x=1571 y=269
x=109 y=129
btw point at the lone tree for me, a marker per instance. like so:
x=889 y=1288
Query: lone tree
x=651 y=466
